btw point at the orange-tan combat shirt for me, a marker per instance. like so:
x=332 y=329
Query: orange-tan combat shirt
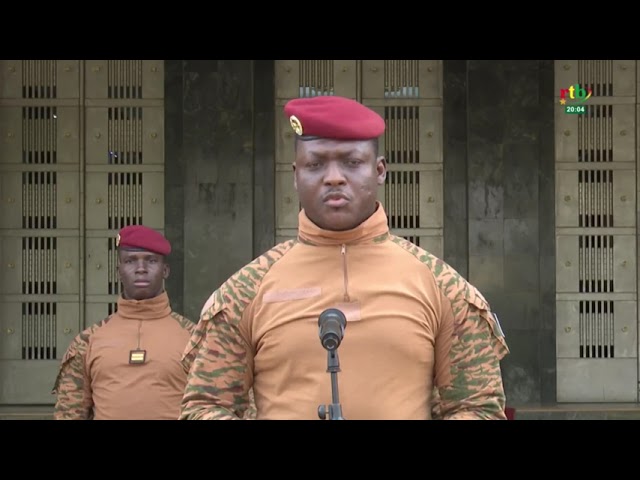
x=96 y=380
x=414 y=325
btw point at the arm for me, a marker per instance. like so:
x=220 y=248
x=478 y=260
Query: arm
x=469 y=347
x=219 y=363
x=73 y=387
x=219 y=357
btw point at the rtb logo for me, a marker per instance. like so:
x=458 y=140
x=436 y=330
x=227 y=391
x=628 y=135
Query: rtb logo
x=575 y=93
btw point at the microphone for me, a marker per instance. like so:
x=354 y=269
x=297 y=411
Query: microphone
x=331 y=323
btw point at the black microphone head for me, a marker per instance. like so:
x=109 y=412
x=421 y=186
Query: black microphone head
x=331 y=325
x=335 y=314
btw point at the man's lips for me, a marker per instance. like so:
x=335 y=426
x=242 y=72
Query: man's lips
x=141 y=283
x=335 y=199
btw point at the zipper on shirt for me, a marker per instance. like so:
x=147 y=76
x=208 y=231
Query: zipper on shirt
x=343 y=251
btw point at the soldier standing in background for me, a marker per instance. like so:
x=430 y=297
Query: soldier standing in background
x=128 y=366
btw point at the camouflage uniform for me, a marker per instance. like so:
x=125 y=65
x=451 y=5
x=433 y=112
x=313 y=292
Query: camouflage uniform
x=232 y=346
x=96 y=381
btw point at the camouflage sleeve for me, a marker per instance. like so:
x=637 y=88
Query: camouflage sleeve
x=72 y=386
x=219 y=363
x=184 y=322
x=469 y=348
x=219 y=356
x=189 y=327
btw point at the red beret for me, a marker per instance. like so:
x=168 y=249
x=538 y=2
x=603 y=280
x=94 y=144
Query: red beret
x=139 y=237
x=330 y=116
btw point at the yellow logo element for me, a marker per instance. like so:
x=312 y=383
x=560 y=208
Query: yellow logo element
x=295 y=124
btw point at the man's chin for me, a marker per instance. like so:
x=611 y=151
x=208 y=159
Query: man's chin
x=337 y=221
x=139 y=294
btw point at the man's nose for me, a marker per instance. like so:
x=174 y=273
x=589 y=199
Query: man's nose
x=141 y=266
x=334 y=174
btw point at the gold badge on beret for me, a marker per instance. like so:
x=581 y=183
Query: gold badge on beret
x=118 y=240
x=295 y=124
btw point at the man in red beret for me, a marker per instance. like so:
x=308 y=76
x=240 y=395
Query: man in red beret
x=128 y=366
x=409 y=329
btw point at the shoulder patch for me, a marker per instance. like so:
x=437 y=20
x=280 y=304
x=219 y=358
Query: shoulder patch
x=499 y=327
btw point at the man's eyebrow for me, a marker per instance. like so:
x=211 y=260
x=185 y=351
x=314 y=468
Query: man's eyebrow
x=338 y=152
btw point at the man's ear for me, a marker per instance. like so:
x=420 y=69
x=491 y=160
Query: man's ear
x=295 y=181
x=381 y=169
x=166 y=271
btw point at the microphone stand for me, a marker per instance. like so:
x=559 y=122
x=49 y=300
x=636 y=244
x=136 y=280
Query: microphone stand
x=335 y=409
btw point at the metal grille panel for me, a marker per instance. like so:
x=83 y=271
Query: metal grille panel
x=39 y=266
x=39 y=199
x=39 y=79
x=596 y=329
x=124 y=79
x=595 y=253
x=402 y=199
x=39 y=135
x=316 y=78
x=602 y=135
x=595 y=198
x=402 y=135
x=409 y=81
x=401 y=78
x=125 y=135
x=413 y=189
x=596 y=75
x=125 y=199
x=306 y=78
x=595 y=134
x=39 y=330
x=46 y=80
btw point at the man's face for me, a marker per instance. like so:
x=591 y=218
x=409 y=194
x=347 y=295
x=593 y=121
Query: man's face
x=337 y=181
x=141 y=274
